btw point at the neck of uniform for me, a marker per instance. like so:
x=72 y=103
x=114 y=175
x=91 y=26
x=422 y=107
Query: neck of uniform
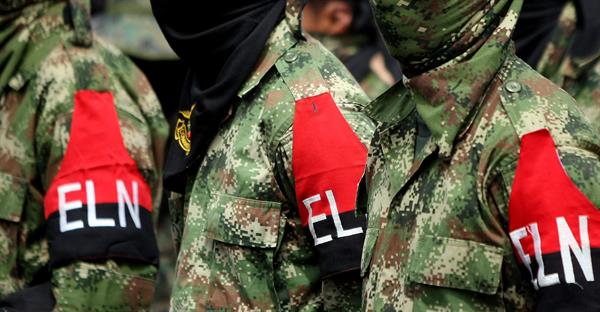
x=445 y=96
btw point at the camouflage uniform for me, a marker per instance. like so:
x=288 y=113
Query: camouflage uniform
x=48 y=55
x=442 y=175
x=579 y=77
x=131 y=27
x=241 y=242
x=344 y=47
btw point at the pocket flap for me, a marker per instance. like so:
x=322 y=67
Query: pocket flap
x=456 y=263
x=244 y=222
x=12 y=197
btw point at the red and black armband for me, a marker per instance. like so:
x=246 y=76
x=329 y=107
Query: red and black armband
x=98 y=206
x=554 y=229
x=328 y=161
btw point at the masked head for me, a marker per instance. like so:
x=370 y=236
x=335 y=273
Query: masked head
x=423 y=34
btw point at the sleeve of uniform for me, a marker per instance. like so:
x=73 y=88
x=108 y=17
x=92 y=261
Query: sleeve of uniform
x=17 y=167
x=554 y=222
x=327 y=157
x=98 y=211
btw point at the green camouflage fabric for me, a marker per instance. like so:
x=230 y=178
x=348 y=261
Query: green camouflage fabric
x=44 y=62
x=579 y=77
x=437 y=236
x=241 y=243
x=130 y=25
x=344 y=47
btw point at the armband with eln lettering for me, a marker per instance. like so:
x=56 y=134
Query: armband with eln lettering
x=554 y=229
x=328 y=161
x=98 y=205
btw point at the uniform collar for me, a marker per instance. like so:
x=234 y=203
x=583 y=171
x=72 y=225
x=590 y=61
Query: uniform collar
x=392 y=106
x=287 y=33
x=448 y=97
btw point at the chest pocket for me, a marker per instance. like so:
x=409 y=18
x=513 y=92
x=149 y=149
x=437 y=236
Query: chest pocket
x=456 y=263
x=245 y=233
x=244 y=222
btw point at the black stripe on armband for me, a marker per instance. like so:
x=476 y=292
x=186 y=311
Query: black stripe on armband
x=112 y=234
x=340 y=255
x=581 y=294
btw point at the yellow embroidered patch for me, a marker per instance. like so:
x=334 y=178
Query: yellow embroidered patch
x=183 y=133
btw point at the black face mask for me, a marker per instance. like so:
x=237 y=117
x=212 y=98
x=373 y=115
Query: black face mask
x=221 y=44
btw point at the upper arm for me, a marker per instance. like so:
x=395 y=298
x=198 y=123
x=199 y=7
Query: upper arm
x=327 y=161
x=554 y=222
x=98 y=205
x=17 y=168
x=98 y=209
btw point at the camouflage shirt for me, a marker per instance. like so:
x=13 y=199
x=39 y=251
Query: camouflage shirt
x=465 y=189
x=579 y=77
x=52 y=68
x=242 y=242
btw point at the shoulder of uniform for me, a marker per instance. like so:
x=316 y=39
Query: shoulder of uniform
x=100 y=66
x=309 y=69
x=533 y=102
x=60 y=74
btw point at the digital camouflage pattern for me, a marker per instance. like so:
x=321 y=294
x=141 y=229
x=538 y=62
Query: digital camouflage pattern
x=442 y=162
x=579 y=77
x=131 y=27
x=45 y=61
x=241 y=242
x=379 y=79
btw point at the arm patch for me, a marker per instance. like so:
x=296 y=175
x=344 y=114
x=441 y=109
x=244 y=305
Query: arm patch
x=98 y=206
x=554 y=228
x=328 y=161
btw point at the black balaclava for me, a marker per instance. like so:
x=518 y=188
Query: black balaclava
x=221 y=44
